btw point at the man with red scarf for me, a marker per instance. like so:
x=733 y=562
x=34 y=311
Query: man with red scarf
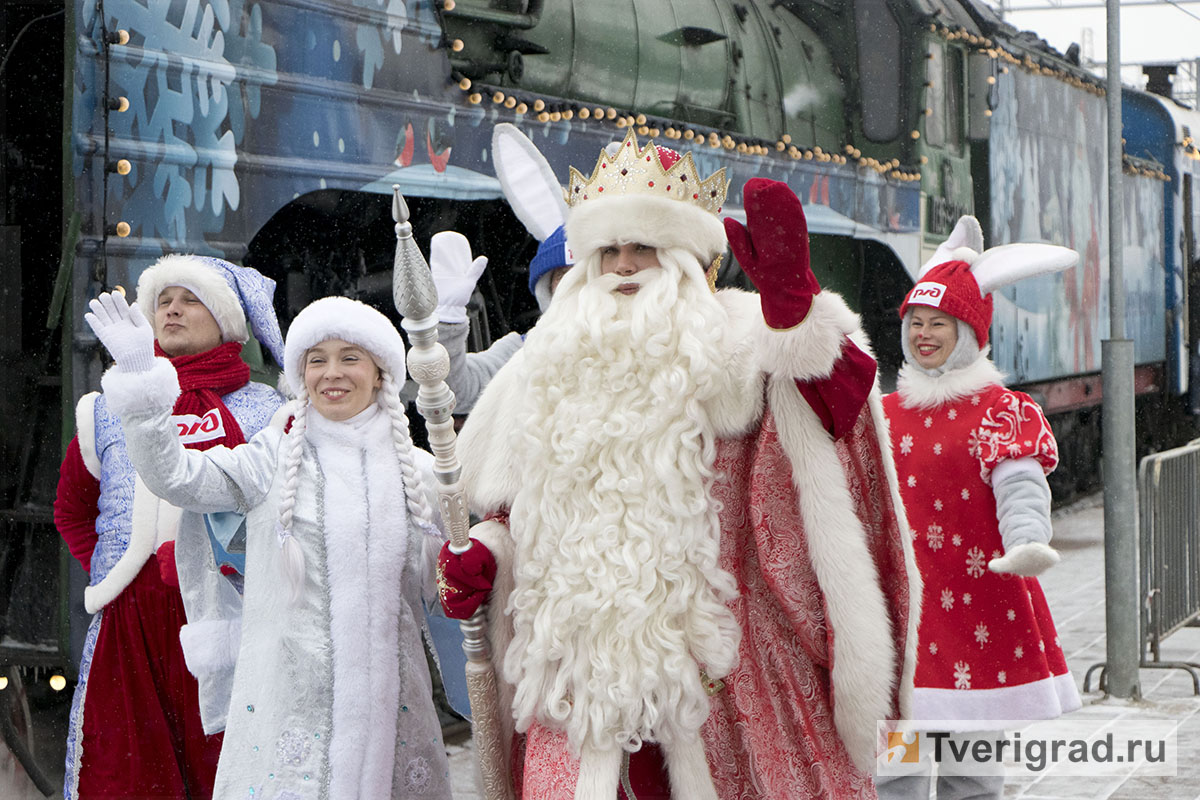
x=136 y=727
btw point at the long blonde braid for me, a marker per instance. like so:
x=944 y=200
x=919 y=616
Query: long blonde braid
x=292 y=555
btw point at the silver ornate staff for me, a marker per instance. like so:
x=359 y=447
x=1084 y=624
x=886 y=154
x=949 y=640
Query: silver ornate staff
x=428 y=363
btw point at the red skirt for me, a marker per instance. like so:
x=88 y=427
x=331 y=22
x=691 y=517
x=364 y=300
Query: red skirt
x=142 y=736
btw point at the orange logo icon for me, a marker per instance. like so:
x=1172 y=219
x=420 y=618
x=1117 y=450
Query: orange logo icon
x=904 y=748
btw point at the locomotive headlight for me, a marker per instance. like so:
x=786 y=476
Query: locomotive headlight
x=58 y=682
x=3 y=682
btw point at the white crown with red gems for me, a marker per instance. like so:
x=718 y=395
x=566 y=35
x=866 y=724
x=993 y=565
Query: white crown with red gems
x=654 y=171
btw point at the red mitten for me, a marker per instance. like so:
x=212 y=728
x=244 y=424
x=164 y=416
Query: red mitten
x=465 y=579
x=166 y=563
x=773 y=251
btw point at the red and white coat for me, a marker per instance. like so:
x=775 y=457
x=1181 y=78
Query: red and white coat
x=811 y=529
x=987 y=647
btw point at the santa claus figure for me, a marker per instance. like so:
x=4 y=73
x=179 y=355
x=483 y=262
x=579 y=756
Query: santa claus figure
x=699 y=576
x=972 y=458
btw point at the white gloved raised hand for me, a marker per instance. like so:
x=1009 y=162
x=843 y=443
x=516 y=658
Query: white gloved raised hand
x=454 y=274
x=123 y=331
x=1029 y=560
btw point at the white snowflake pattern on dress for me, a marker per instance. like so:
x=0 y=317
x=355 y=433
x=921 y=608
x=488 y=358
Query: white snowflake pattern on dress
x=981 y=634
x=947 y=599
x=974 y=399
x=1018 y=652
x=906 y=443
x=952 y=414
x=962 y=675
x=912 y=481
x=934 y=537
x=966 y=494
x=956 y=540
x=1042 y=645
x=1012 y=615
x=937 y=505
x=1002 y=677
x=996 y=554
x=929 y=422
x=937 y=448
x=933 y=648
x=975 y=562
x=966 y=598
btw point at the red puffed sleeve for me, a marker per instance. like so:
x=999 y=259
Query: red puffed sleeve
x=1013 y=427
x=75 y=505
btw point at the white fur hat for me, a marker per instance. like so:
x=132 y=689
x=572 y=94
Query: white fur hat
x=350 y=321
x=193 y=274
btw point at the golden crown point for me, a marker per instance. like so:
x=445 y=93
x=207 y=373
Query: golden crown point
x=635 y=170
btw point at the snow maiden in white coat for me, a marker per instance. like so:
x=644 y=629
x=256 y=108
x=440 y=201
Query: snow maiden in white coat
x=972 y=457
x=332 y=695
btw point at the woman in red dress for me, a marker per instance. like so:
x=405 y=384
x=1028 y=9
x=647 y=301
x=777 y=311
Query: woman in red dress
x=971 y=458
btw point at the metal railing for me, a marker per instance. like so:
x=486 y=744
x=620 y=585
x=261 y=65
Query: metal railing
x=1169 y=491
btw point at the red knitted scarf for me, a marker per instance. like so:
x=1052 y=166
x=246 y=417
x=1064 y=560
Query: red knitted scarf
x=202 y=419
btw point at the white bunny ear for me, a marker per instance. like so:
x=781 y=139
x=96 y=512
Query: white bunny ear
x=966 y=234
x=1010 y=263
x=528 y=182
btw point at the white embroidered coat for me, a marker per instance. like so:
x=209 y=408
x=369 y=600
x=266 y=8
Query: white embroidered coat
x=331 y=697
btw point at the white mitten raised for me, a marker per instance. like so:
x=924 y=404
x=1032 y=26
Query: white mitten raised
x=1028 y=560
x=123 y=330
x=454 y=274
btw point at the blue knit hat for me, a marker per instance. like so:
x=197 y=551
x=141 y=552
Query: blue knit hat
x=551 y=254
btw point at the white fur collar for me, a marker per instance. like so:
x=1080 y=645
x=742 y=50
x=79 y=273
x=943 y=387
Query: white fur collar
x=918 y=390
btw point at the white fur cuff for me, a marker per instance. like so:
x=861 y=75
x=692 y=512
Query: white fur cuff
x=810 y=349
x=157 y=389
x=210 y=645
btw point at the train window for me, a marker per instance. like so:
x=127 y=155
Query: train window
x=879 y=69
x=954 y=78
x=935 y=95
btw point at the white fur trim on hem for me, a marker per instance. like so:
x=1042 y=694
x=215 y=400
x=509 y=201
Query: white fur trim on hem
x=85 y=432
x=918 y=390
x=810 y=349
x=154 y=390
x=1048 y=698
x=654 y=221
x=863 y=655
x=204 y=281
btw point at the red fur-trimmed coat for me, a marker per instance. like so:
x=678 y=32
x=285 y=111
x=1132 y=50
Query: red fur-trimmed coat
x=812 y=530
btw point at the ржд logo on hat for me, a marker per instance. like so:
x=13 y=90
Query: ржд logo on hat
x=927 y=293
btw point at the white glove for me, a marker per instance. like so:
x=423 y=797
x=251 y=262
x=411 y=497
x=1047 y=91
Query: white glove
x=1029 y=560
x=454 y=274
x=123 y=330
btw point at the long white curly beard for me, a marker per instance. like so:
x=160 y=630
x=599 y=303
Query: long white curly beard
x=619 y=601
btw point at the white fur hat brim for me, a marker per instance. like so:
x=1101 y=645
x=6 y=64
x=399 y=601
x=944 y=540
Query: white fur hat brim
x=350 y=321
x=193 y=274
x=655 y=221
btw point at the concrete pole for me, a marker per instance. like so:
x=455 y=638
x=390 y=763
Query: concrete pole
x=1122 y=609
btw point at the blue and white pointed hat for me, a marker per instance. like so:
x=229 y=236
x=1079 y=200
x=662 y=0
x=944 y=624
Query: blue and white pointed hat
x=241 y=299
